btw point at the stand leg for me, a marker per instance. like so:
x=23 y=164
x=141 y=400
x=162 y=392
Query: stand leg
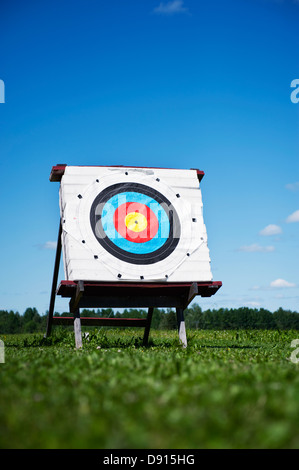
x=181 y=326
x=148 y=326
x=54 y=282
x=77 y=329
x=75 y=309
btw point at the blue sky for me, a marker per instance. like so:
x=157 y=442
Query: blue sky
x=182 y=84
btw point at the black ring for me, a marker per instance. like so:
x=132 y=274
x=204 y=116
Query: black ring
x=135 y=258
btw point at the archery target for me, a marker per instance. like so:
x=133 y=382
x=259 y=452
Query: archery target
x=130 y=225
x=135 y=223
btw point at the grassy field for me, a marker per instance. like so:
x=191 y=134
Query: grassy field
x=227 y=390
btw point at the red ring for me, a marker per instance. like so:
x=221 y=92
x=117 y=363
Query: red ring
x=138 y=237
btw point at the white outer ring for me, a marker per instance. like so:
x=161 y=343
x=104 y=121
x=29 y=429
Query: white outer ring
x=79 y=213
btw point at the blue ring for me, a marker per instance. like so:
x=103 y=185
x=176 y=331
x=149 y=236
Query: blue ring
x=139 y=248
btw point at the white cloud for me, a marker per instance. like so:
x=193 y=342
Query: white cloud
x=293 y=186
x=253 y=303
x=280 y=283
x=271 y=229
x=254 y=248
x=49 y=246
x=277 y=284
x=294 y=217
x=169 y=8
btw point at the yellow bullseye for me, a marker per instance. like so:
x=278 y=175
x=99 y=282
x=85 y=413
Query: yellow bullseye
x=135 y=221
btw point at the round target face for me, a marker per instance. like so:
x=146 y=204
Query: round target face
x=135 y=223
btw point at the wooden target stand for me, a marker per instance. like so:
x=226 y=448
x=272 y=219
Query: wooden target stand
x=122 y=294
x=86 y=294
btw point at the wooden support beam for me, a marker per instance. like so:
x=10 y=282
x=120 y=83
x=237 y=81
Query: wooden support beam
x=77 y=329
x=74 y=308
x=74 y=302
x=100 y=321
x=54 y=281
x=128 y=300
x=148 y=326
x=181 y=327
x=193 y=291
x=160 y=293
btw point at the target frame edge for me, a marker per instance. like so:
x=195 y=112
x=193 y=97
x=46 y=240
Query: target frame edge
x=202 y=259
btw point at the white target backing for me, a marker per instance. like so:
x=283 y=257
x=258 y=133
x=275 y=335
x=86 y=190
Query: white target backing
x=133 y=224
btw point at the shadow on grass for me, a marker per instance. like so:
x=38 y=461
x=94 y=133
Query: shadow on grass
x=230 y=346
x=65 y=338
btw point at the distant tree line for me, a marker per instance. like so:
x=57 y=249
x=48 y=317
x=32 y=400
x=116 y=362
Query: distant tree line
x=219 y=319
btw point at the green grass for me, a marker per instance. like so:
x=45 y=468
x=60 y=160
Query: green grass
x=228 y=389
